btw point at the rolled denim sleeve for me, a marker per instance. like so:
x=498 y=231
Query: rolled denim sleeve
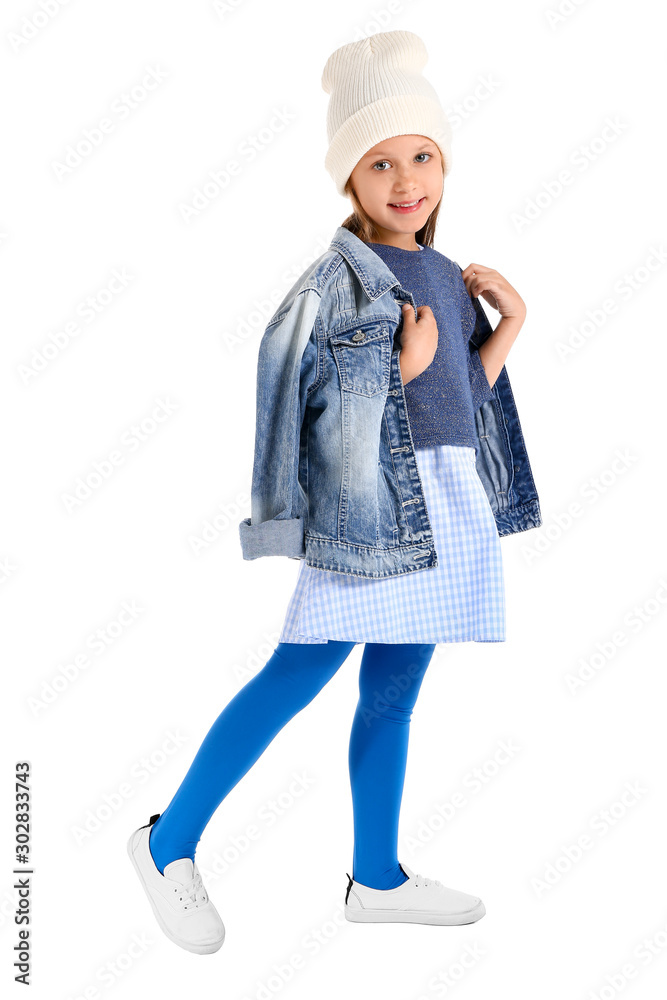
x=286 y=367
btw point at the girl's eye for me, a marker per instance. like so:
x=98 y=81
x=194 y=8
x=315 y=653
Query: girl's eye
x=380 y=162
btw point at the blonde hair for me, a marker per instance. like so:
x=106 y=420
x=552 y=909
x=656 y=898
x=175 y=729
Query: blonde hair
x=361 y=224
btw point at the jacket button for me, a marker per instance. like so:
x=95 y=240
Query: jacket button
x=359 y=335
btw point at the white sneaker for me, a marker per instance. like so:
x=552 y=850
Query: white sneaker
x=417 y=901
x=179 y=900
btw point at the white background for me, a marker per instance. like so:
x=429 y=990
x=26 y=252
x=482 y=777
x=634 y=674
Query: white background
x=529 y=96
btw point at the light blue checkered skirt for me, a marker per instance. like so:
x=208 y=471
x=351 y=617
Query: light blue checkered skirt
x=462 y=599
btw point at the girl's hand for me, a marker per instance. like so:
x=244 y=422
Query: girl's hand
x=495 y=290
x=419 y=341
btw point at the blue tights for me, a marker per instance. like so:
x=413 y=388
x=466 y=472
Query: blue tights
x=389 y=680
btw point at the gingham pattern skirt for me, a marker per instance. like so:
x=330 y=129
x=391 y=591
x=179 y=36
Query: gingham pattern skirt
x=462 y=599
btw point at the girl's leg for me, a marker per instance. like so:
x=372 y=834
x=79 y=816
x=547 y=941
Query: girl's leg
x=290 y=679
x=389 y=681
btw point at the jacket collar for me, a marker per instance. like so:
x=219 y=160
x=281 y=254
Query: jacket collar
x=374 y=275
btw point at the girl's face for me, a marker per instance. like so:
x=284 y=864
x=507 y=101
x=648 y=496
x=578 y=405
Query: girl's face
x=398 y=171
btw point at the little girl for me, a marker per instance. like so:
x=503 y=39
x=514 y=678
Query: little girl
x=385 y=122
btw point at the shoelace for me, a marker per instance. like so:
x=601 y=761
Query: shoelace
x=427 y=881
x=193 y=888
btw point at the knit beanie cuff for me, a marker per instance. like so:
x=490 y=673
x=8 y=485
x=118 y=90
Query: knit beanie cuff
x=407 y=114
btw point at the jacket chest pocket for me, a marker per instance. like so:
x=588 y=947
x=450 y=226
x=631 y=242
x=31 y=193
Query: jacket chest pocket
x=363 y=358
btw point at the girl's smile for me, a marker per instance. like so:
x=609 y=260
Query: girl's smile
x=404 y=207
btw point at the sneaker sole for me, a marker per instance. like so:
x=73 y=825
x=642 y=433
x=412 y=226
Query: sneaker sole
x=413 y=916
x=197 y=949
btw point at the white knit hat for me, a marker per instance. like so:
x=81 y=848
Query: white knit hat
x=377 y=91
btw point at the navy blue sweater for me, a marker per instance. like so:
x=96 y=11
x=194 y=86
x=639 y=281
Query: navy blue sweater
x=442 y=400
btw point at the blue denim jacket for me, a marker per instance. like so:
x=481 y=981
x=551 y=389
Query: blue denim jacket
x=335 y=477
